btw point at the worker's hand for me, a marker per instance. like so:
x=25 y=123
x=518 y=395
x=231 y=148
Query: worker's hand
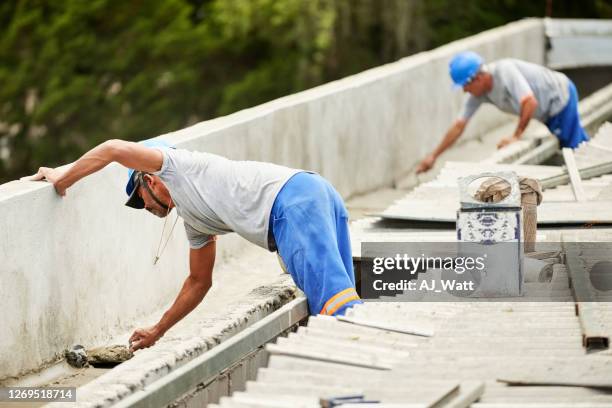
x=506 y=141
x=51 y=175
x=426 y=164
x=143 y=338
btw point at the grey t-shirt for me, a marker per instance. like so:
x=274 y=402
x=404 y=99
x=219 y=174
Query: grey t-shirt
x=513 y=80
x=215 y=195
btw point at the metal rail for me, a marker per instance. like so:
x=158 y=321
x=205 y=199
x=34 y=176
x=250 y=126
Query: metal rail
x=585 y=173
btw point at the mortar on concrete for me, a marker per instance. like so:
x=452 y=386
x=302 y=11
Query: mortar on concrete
x=100 y=357
x=108 y=356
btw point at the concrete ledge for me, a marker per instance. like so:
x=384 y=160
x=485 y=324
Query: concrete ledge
x=151 y=365
x=578 y=43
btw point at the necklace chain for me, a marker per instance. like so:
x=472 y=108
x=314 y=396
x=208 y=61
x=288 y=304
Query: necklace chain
x=161 y=237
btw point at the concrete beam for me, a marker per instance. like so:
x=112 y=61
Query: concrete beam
x=578 y=43
x=207 y=366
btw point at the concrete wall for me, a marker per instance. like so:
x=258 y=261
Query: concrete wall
x=578 y=43
x=79 y=269
x=365 y=131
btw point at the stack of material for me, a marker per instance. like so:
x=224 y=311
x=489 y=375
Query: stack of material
x=437 y=354
x=446 y=354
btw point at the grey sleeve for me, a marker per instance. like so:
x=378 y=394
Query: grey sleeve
x=175 y=162
x=168 y=163
x=197 y=239
x=515 y=82
x=470 y=107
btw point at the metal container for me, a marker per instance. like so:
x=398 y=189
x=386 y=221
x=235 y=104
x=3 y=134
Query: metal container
x=492 y=231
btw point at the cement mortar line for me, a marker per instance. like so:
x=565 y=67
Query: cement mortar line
x=133 y=375
x=210 y=364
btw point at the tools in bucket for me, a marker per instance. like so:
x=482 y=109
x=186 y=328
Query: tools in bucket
x=491 y=223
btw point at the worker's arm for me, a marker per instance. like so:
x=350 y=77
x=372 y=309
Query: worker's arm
x=451 y=136
x=129 y=154
x=195 y=287
x=529 y=104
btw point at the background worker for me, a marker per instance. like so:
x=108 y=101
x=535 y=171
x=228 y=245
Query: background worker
x=514 y=86
x=297 y=213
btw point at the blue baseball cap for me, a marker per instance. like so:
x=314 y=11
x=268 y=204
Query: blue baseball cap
x=463 y=67
x=131 y=188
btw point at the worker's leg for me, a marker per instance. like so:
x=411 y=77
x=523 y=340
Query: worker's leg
x=566 y=124
x=343 y=240
x=305 y=220
x=339 y=304
x=343 y=236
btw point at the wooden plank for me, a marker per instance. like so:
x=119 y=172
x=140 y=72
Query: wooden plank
x=595 y=372
x=328 y=357
x=544 y=255
x=444 y=393
x=469 y=392
x=553 y=212
x=585 y=173
x=574 y=175
x=594 y=332
x=544 y=151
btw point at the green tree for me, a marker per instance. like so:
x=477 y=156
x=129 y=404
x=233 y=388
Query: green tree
x=75 y=73
x=279 y=46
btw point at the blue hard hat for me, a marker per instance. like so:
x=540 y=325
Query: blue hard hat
x=463 y=67
x=134 y=199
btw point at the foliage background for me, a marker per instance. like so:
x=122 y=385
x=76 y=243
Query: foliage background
x=74 y=73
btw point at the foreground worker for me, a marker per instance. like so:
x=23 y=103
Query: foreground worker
x=514 y=86
x=295 y=212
